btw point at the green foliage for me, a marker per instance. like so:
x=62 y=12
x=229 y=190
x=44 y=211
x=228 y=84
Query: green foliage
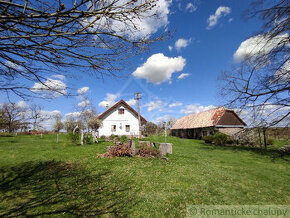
x=123 y=138
x=230 y=141
x=220 y=138
x=103 y=137
x=74 y=138
x=208 y=139
x=270 y=141
x=88 y=139
x=112 y=136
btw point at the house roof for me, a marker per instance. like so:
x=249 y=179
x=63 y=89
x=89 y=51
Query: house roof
x=101 y=116
x=206 y=119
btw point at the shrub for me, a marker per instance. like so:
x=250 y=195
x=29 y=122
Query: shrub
x=230 y=141
x=103 y=137
x=124 y=138
x=87 y=139
x=74 y=137
x=207 y=139
x=270 y=141
x=285 y=150
x=220 y=138
x=112 y=136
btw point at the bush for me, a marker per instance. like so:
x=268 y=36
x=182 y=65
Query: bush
x=112 y=136
x=220 y=138
x=87 y=139
x=285 y=150
x=270 y=141
x=124 y=138
x=207 y=139
x=103 y=137
x=230 y=141
x=75 y=138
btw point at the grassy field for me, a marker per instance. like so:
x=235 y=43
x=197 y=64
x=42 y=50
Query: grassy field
x=41 y=177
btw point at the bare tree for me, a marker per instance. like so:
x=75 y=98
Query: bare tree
x=13 y=116
x=37 y=116
x=41 y=38
x=260 y=84
x=58 y=125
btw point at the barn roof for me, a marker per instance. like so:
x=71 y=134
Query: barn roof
x=205 y=119
x=101 y=116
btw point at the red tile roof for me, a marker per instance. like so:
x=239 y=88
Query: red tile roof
x=203 y=119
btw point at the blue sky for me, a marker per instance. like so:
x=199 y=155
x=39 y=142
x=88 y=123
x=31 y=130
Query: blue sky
x=177 y=76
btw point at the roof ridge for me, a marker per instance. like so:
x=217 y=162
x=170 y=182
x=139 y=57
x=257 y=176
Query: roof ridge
x=126 y=104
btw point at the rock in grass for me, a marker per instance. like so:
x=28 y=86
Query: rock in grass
x=165 y=148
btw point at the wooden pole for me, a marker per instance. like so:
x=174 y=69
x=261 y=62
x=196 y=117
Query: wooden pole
x=139 y=117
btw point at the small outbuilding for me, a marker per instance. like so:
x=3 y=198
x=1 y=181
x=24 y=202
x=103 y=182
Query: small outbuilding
x=206 y=123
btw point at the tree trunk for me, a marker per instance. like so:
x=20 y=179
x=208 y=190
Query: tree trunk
x=265 y=138
x=260 y=138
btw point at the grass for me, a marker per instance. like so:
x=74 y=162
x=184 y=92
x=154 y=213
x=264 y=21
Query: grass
x=41 y=177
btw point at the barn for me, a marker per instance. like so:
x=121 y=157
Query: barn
x=207 y=123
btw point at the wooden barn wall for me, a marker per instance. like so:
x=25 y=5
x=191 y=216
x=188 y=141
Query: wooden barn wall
x=229 y=118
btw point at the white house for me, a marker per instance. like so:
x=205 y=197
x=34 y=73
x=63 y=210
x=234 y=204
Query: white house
x=120 y=119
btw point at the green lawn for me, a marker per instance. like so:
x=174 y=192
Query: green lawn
x=40 y=177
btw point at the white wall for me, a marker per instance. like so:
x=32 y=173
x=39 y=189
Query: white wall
x=114 y=118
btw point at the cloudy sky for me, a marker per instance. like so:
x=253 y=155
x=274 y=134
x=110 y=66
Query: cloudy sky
x=177 y=76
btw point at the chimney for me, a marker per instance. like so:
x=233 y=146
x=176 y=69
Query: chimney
x=107 y=106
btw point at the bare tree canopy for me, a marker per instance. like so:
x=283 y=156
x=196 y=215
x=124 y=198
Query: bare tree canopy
x=40 y=38
x=260 y=80
x=13 y=117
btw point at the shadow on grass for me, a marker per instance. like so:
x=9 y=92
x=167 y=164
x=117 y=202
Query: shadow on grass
x=274 y=154
x=59 y=188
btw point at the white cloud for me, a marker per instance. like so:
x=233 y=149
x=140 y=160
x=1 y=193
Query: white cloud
x=83 y=90
x=161 y=119
x=50 y=88
x=146 y=23
x=170 y=48
x=259 y=45
x=10 y=64
x=84 y=103
x=49 y=118
x=59 y=76
x=181 y=43
x=230 y=20
x=72 y=115
x=159 y=68
x=131 y=102
x=110 y=100
x=176 y=104
x=283 y=74
x=154 y=105
x=196 y=108
x=21 y=104
x=183 y=75
x=221 y=11
x=190 y=7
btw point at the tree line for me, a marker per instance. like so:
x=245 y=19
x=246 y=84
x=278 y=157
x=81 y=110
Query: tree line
x=17 y=117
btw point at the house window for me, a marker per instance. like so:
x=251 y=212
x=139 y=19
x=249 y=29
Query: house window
x=204 y=133
x=113 y=128
x=121 y=110
x=127 y=128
